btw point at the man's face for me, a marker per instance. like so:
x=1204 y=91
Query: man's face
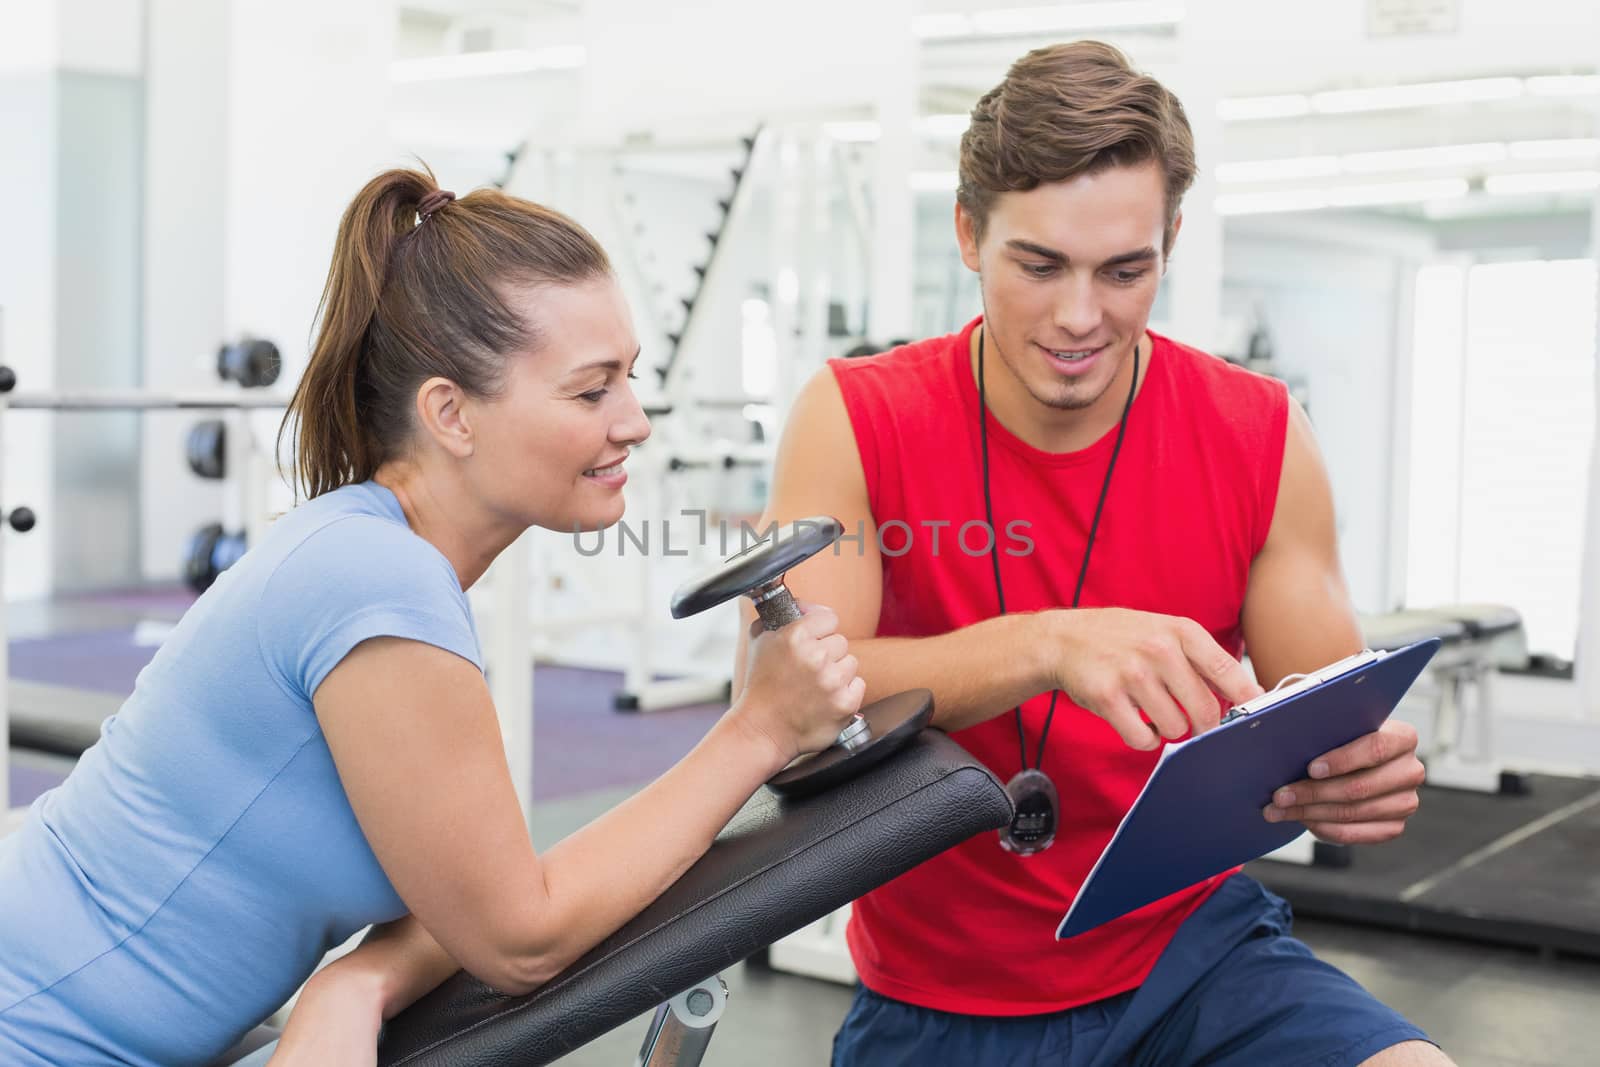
x=1069 y=272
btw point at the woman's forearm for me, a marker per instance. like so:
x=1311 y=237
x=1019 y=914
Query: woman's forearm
x=339 y=1013
x=395 y=964
x=409 y=961
x=605 y=873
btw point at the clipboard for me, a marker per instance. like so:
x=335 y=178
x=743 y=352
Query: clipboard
x=1199 y=813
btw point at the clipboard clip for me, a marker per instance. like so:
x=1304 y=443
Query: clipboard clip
x=1239 y=711
x=1290 y=684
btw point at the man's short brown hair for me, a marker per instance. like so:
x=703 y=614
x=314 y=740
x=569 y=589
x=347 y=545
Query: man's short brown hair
x=1067 y=110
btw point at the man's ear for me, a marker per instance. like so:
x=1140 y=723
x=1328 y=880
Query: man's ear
x=442 y=415
x=1172 y=241
x=967 y=237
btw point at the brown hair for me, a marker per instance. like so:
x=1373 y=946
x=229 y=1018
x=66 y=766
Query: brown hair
x=1067 y=110
x=415 y=291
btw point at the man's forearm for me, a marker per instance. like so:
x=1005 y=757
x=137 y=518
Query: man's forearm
x=975 y=673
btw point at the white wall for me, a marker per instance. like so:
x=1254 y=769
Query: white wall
x=1588 y=652
x=104 y=36
x=263 y=121
x=27 y=313
x=1290 y=45
x=67 y=281
x=94 y=522
x=186 y=112
x=1331 y=311
x=308 y=87
x=652 y=63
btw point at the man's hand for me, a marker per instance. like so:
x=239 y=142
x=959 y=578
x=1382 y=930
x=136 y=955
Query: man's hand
x=1360 y=794
x=1117 y=663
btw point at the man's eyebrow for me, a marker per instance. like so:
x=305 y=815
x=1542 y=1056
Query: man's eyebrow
x=1138 y=255
x=1037 y=250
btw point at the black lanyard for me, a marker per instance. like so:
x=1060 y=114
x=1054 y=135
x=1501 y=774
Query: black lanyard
x=1083 y=568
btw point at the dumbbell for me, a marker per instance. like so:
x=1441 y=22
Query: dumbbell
x=206 y=448
x=21 y=519
x=881 y=728
x=252 y=362
x=211 y=550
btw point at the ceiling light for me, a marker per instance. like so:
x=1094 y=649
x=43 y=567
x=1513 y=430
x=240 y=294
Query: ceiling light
x=1565 y=85
x=1266 y=170
x=1566 y=148
x=1340 y=196
x=1245 y=108
x=1552 y=182
x=945 y=126
x=933 y=181
x=1450 y=155
x=1270 y=203
x=1396 y=192
x=938 y=26
x=1419 y=94
x=1067 y=18
x=855 y=132
x=487 y=64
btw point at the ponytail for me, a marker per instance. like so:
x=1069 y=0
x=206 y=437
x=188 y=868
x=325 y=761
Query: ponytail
x=413 y=293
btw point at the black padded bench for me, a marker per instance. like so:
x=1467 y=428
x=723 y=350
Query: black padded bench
x=55 y=718
x=1477 y=639
x=778 y=866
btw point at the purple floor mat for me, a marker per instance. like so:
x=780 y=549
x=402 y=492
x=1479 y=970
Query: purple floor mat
x=165 y=602
x=579 y=743
x=106 y=661
x=28 y=782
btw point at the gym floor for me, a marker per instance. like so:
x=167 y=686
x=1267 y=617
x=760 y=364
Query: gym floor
x=1488 y=1006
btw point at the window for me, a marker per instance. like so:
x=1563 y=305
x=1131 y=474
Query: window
x=1502 y=420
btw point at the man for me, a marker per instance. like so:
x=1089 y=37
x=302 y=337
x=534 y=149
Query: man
x=1069 y=529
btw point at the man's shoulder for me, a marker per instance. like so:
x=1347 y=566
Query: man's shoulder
x=1199 y=373
x=930 y=355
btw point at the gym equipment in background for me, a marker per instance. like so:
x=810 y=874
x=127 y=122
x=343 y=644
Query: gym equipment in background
x=211 y=550
x=206 y=449
x=251 y=363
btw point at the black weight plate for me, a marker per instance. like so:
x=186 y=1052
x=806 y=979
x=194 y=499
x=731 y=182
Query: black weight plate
x=893 y=721
x=757 y=565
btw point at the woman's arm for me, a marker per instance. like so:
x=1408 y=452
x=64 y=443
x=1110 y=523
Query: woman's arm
x=338 y=1014
x=414 y=736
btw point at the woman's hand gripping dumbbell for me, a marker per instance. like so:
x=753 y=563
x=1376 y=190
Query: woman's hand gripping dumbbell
x=803 y=688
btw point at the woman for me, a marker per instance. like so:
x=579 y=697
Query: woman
x=314 y=750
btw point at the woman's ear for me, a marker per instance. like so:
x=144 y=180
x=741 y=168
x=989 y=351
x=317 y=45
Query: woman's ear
x=442 y=415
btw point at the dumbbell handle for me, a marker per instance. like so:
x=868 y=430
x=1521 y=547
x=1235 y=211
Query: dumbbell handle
x=776 y=606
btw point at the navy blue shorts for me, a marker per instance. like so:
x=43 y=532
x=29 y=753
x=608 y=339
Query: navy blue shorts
x=1233 y=989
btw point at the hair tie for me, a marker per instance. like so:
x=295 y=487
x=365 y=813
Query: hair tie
x=434 y=201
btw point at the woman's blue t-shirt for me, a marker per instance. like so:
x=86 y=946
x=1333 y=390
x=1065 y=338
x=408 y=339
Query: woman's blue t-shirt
x=202 y=856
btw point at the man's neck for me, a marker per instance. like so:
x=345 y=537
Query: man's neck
x=1052 y=429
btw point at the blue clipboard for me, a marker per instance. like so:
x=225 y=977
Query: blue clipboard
x=1200 y=811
